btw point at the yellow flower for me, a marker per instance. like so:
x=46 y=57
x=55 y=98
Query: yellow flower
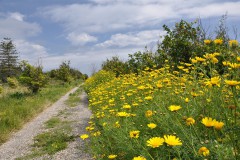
x=117 y=125
x=148 y=98
x=208 y=122
x=123 y=114
x=199 y=59
x=218 y=125
x=134 y=134
x=112 y=156
x=174 y=108
x=232 y=83
x=152 y=125
x=204 y=151
x=126 y=106
x=186 y=100
x=148 y=113
x=84 y=136
x=238 y=59
x=190 y=121
x=155 y=142
x=214 y=81
x=141 y=87
x=233 y=43
x=207 y=41
x=139 y=158
x=218 y=41
x=172 y=140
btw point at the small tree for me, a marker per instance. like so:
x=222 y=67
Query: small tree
x=115 y=65
x=181 y=43
x=64 y=72
x=32 y=77
x=8 y=59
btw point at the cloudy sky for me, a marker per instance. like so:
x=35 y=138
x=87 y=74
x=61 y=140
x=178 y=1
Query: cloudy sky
x=86 y=32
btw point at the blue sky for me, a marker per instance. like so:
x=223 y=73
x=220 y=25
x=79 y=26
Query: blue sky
x=86 y=32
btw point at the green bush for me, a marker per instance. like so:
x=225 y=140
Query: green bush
x=12 y=82
x=32 y=77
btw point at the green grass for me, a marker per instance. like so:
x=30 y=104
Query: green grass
x=52 y=142
x=53 y=122
x=20 y=106
x=74 y=98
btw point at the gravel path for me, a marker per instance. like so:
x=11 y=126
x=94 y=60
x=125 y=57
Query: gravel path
x=20 y=143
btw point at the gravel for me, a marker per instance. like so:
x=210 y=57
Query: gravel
x=19 y=144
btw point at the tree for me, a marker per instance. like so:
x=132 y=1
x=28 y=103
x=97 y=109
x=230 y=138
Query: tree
x=182 y=42
x=8 y=59
x=115 y=65
x=64 y=72
x=32 y=77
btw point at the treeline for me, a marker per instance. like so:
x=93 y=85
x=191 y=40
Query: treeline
x=13 y=71
x=181 y=44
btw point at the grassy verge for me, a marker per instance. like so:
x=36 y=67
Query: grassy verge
x=16 y=108
x=192 y=113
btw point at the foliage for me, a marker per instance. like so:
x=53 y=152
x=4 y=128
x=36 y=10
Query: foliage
x=63 y=73
x=181 y=43
x=139 y=61
x=8 y=59
x=32 y=77
x=115 y=65
x=12 y=82
x=100 y=77
x=189 y=113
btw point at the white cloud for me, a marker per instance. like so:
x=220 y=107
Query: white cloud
x=29 y=51
x=80 y=39
x=12 y=25
x=142 y=38
x=213 y=10
x=16 y=16
x=105 y=18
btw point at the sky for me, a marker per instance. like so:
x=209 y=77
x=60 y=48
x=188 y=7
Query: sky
x=87 y=32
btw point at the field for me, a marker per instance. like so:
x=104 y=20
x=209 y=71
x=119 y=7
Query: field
x=188 y=113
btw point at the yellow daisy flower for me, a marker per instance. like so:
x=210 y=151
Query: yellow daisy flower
x=172 y=140
x=155 y=142
x=204 y=151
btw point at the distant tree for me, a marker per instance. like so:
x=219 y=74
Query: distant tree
x=115 y=65
x=64 y=72
x=8 y=59
x=33 y=77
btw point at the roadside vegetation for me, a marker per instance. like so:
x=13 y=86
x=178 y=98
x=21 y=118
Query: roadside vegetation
x=26 y=90
x=182 y=102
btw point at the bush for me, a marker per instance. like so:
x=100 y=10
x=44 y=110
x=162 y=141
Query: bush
x=32 y=77
x=12 y=82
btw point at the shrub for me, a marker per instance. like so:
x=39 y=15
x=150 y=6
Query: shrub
x=12 y=82
x=32 y=77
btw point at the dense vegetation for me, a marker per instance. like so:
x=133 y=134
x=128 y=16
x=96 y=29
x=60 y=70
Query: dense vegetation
x=181 y=102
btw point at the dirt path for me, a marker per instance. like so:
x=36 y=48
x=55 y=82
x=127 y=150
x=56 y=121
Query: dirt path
x=20 y=143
